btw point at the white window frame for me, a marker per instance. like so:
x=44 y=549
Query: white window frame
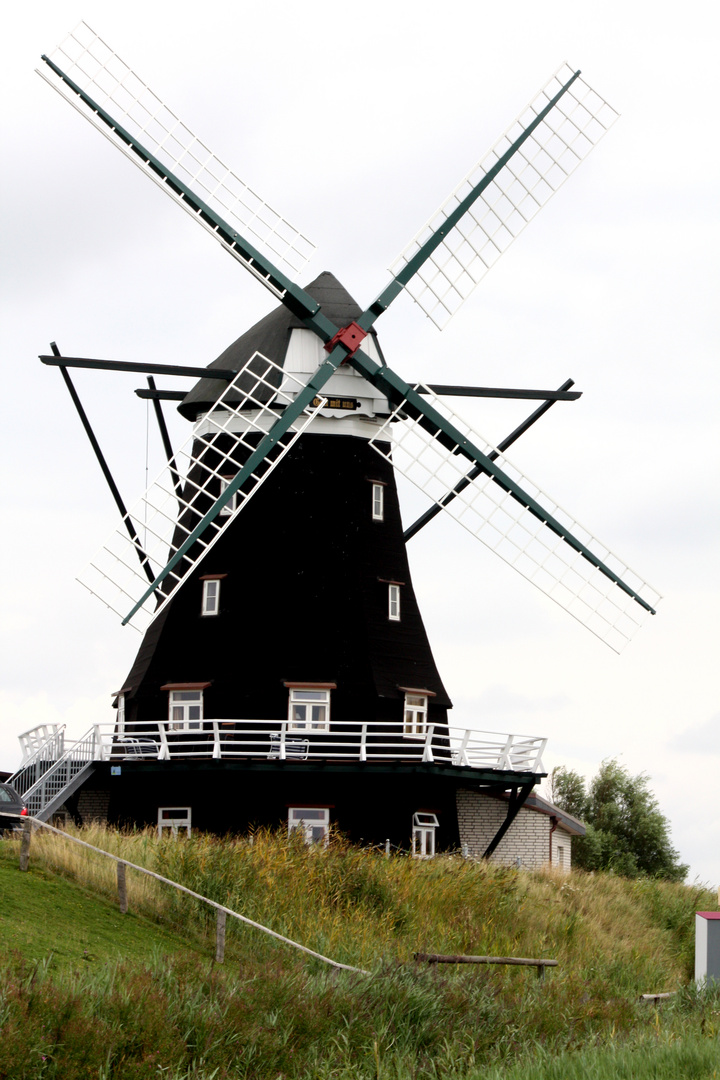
x=394 y=603
x=423 y=834
x=179 y=718
x=210 y=596
x=378 y=502
x=120 y=719
x=174 y=818
x=231 y=505
x=315 y=824
x=415 y=714
x=305 y=697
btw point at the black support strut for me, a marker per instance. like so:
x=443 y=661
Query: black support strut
x=144 y=561
x=435 y=509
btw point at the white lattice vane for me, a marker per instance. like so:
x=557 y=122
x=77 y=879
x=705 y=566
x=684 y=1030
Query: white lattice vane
x=524 y=184
x=202 y=468
x=513 y=532
x=102 y=75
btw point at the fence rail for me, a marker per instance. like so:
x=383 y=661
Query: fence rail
x=122 y=865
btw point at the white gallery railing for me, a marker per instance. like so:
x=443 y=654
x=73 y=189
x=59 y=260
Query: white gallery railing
x=280 y=741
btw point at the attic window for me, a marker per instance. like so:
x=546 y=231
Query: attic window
x=231 y=505
x=210 y=596
x=378 y=502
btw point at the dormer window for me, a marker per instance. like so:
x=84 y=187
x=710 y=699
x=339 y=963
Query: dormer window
x=185 y=710
x=415 y=714
x=415 y=710
x=185 y=705
x=309 y=706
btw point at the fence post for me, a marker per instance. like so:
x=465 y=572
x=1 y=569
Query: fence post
x=122 y=888
x=387 y=847
x=25 y=844
x=220 y=937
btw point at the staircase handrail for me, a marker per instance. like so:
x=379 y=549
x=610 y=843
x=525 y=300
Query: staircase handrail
x=50 y=750
x=87 y=748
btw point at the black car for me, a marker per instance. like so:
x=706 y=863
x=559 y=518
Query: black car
x=11 y=803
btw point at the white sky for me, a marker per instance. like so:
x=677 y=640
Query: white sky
x=355 y=121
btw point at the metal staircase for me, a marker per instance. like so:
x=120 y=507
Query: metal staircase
x=50 y=773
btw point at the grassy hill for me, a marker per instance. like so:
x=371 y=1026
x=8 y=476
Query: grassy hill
x=86 y=992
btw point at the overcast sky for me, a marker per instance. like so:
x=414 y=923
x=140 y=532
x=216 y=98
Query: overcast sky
x=355 y=121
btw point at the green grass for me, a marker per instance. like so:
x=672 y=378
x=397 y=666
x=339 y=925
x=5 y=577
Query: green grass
x=696 y=1057
x=42 y=914
x=165 y=1009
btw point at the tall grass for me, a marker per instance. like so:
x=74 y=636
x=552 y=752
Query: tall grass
x=363 y=908
x=167 y=1019
x=271 y=1012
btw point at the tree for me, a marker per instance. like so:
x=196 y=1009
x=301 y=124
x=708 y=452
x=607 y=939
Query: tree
x=626 y=832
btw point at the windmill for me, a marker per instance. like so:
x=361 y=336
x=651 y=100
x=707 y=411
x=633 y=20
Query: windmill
x=282 y=508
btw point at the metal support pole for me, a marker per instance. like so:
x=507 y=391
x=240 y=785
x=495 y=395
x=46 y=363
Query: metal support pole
x=25 y=845
x=475 y=472
x=162 y=427
x=220 y=937
x=144 y=561
x=122 y=888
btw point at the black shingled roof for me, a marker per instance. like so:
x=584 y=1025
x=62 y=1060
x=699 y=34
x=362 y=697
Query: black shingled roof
x=270 y=336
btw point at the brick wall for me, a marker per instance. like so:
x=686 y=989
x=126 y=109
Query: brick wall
x=92 y=807
x=527 y=839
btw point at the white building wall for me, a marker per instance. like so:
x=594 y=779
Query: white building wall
x=528 y=838
x=561 y=848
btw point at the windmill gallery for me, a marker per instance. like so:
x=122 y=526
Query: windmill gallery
x=335 y=713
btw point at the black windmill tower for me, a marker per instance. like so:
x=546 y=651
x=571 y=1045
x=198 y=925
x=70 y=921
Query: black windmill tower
x=284 y=661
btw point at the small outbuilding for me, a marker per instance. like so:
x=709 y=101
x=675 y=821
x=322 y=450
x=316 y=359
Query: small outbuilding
x=541 y=834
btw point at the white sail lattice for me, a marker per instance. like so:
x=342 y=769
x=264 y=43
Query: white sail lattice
x=188 y=487
x=513 y=532
x=528 y=180
x=86 y=59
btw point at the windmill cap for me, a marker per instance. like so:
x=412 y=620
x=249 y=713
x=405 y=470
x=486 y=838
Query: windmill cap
x=270 y=336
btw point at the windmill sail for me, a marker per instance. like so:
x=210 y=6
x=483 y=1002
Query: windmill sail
x=207 y=462
x=138 y=113
x=554 y=149
x=525 y=541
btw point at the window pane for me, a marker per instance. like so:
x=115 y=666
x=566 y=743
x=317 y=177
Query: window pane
x=310 y=695
x=318 y=714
